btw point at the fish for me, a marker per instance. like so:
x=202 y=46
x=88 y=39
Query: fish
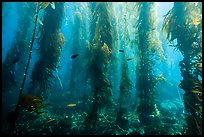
x=71 y=105
x=50 y=120
x=171 y=45
x=74 y=56
x=37 y=100
x=129 y=59
x=121 y=50
x=16 y=60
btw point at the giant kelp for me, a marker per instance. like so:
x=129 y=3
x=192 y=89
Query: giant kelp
x=18 y=52
x=135 y=44
x=51 y=39
x=101 y=48
x=184 y=24
x=78 y=45
x=85 y=47
x=113 y=69
x=125 y=82
x=149 y=49
x=125 y=87
x=13 y=115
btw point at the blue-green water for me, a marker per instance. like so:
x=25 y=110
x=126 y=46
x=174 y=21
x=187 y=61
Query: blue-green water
x=67 y=70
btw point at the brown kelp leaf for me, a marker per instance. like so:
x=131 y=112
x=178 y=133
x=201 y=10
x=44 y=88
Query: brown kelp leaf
x=44 y=5
x=196 y=91
x=196 y=21
x=106 y=50
x=31 y=103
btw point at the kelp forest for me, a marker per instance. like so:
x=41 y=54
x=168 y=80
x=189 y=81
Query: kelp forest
x=101 y=68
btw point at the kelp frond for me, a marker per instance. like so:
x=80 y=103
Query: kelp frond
x=184 y=24
x=176 y=20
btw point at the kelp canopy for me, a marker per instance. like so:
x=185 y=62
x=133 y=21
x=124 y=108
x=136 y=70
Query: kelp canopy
x=183 y=23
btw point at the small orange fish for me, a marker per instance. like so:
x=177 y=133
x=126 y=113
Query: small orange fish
x=71 y=105
x=50 y=120
x=37 y=100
